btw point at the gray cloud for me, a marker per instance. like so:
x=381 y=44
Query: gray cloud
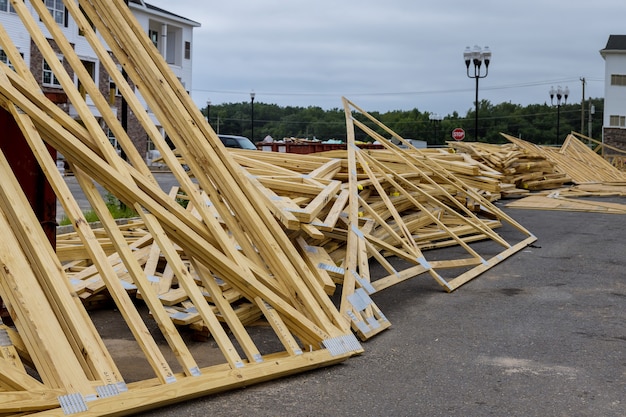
x=396 y=54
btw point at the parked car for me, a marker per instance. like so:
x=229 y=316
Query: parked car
x=239 y=142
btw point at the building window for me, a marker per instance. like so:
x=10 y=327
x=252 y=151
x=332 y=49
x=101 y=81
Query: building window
x=4 y=58
x=5 y=6
x=617 y=121
x=49 y=78
x=154 y=37
x=57 y=10
x=618 y=79
x=113 y=140
x=187 y=50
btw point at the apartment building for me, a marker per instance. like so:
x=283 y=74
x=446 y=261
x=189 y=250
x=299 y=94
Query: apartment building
x=614 y=122
x=171 y=34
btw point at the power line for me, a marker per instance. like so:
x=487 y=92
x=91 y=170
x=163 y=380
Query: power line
x=395 y=93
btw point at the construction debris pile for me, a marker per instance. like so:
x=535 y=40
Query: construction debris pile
x=299 y=242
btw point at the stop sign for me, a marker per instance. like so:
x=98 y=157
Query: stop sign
x=458 y=134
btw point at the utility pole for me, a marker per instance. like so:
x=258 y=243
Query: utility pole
x=582 y=107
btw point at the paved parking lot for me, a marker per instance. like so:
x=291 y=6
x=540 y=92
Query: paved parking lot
x=541 y=334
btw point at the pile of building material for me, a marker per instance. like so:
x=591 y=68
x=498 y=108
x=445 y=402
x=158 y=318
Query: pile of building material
x=581 y=163
x=523 y=165
x=257 y=237
x=245 y=248
x=547 y=168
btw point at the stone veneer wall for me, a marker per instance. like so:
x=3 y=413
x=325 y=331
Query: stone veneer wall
x=615 y=137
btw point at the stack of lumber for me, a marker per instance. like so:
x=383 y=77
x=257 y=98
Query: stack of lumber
x=522 y=164
x=261 y=236
x=581 y=163
x=591 y=174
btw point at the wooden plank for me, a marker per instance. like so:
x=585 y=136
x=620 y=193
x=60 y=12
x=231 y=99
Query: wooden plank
x=14 y=377
x=52 y=354
x=242 y=198
x=154 y=356
x=193 y=292
x=538 y=202
x=213 y=380
x=228 y=314
x=9 y=353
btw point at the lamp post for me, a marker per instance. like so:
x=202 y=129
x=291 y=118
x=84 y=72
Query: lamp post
x=435 y=120
x=208 y=112
x=252 y=115
x=477 y=56
x=559 y=93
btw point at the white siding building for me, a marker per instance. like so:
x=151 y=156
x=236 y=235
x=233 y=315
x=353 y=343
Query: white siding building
x=171 y=34
x=614 y=122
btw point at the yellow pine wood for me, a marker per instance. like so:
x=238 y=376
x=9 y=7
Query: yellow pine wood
x=284 y=335
x=19 y=402
x=11 y=357
x=228 y=313
x=69 y=312
x=128 y=93
x=241 y=239
x=99 y=100
x=187 y=282
x=35 y=318
x=66 y=81
x=277 y=249
x=154 y=356
x=15 y=58
x=85 y=158
x=15 y=378
x=337 y=208
x=17 y=344
x=315 y=256
x=77 y=151
x=146 y=396
x=102 y=364
x=474 y=272
x=350 y=262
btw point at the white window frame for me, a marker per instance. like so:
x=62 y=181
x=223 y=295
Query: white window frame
x=57 y=10
x=54 y=81
x=5 y=6
x=616 y=120
x=618 y=80
x=5 y=58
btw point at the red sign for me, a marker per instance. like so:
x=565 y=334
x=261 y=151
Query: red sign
x=458 y=134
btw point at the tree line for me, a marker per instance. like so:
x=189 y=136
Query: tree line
x=536 y=123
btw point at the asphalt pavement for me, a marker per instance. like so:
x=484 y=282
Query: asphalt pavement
x=540 y=334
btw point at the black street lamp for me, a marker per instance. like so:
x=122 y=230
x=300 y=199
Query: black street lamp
x=435 y=120
x=559 y=93
x=477 y=56
x=252 y=115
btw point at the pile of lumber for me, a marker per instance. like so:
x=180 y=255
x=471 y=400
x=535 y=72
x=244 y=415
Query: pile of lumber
x=522 y=164
x=581 y=163
x=245 y=248
x=259 y=236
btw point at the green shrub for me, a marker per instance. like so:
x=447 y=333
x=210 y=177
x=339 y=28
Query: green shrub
x=117 y=209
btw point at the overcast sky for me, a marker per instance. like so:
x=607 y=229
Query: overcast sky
x=396 y=54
